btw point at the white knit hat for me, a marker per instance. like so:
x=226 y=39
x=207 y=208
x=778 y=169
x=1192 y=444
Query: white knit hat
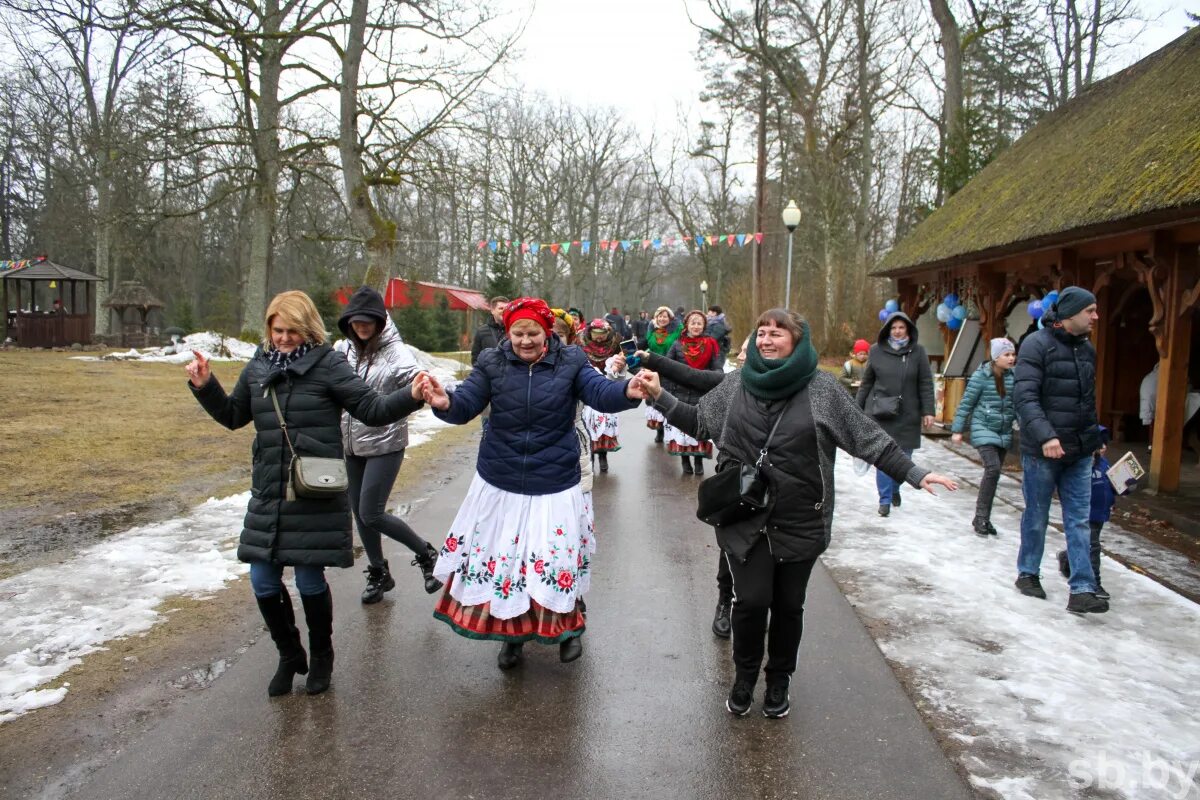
x=1001 y=346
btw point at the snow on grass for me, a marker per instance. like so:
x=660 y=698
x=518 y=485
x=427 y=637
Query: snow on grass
x=1041 y=703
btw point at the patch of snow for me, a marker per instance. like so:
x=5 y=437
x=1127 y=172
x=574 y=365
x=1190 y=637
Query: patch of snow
x=1043 y=703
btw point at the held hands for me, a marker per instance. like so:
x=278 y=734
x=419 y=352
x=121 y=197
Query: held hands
x=431 y=391
x=618 y=363
x=927 y=421
x=644 y=386
x=956 y=438
x=932 y=479
x=1053 y=449
x=198 y=371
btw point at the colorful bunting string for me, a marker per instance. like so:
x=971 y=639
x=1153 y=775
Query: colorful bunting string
x=657 y=243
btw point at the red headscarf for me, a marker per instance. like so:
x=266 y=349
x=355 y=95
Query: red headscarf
x=529 y=308
x=698 y=351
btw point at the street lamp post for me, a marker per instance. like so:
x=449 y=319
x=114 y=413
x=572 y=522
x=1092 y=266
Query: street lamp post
x=791 y=218
x=704 y=295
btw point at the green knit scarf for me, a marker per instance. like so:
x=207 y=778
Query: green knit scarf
x=780 y=378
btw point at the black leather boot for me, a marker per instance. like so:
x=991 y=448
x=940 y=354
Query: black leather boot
x=699 y=465
x=658 y=435
x=379 y=580
x=426 y=562
x=318 y=613
x=570 y=649
x=602 y=456
x=277 y=612
x=687 y=465
x=510 y=655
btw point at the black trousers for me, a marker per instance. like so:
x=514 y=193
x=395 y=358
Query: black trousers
x=768 y=602
x=371 y=479
x=724 y=579
x=992 y=458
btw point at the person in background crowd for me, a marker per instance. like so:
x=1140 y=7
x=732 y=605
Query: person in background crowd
x=617 y=323
x=897 y=391
x=718 y=329
x=375 y=352
x=988 y=403
x=772 y=554
x=517 y=556
x=312 y=385
x=702 y=381
x=491 y=333
x=698 y=351
x=855 y=367
x=661 y=337
x=600 y=345
x=639 y=329
x=1104 y=497
x=1055 y=397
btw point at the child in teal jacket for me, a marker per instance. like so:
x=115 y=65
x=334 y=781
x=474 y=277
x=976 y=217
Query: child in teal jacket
x=988 y=403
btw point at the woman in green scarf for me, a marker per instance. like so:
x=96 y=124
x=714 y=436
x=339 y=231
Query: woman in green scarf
x=772 y=553
x=662 y=334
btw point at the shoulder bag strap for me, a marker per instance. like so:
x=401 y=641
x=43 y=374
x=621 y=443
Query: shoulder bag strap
x=283 y=422
x=762 y=454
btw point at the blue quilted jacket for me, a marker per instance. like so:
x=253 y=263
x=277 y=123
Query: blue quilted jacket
x=991 y=415
x=530 y=446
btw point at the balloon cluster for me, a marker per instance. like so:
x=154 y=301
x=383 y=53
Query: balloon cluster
x=1037 y=308
x=951 y=313
x=889 y=308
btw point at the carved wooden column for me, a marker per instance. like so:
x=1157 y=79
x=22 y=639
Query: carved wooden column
x=1102 y=336
x=1175 y=298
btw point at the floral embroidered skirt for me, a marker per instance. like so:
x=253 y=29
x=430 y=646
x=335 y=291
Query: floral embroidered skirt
x=604 y=430
x=654 y=420
x=516 y=565
x=680 y=444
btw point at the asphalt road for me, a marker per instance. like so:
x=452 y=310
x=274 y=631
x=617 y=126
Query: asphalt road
x=416 y=711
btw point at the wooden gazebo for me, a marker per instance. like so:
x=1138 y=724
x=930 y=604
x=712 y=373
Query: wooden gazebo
x=132 y=296
x=32 y=318
x=1103 y=193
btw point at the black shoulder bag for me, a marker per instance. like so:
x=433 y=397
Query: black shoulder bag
x=885 y=407
x=738 y=491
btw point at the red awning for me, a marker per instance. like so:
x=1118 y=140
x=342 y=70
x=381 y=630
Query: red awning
x=402 y=294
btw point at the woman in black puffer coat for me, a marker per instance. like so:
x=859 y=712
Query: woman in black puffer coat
x=312 y=383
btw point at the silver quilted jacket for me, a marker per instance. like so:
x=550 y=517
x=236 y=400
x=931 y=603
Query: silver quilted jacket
x=391 y=367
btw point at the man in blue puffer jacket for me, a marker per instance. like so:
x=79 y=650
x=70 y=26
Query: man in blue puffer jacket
x=1055 y=396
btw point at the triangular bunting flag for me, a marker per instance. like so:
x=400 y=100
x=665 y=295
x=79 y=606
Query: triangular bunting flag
x=713 y=239
x=566 y=247
x=645 y=244
x=670 y=241
x=554 y=248
x=524 y=247
x=534 y=247
x=603 y=245
x=700 y=241
x=626 y=244
x=587 y=246
x=741 y=239
x=493 y=245
x=657 y=244
x=758 y=237
x=482 y=244
x=729 y=237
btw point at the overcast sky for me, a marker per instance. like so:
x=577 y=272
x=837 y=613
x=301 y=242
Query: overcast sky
x=639 y=55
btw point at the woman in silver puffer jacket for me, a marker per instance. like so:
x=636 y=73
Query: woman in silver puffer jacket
x=374 y=455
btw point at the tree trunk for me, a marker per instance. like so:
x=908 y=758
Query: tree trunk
x=953 y=134
x=866 y=154
x=104 y=243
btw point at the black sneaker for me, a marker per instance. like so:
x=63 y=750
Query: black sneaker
x=722 y=628
x=980 y=526
x=1101 y=592
x=1086 y=603
x=427 y=562
x=775 y=700
x=992 y=529
x=741 y=697
x=1064 y=564
x=896 y=498
x=379 y=580
x=1031 y=586
x=884 y=510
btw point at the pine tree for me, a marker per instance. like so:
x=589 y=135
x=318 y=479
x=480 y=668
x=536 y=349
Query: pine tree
x=502 y=279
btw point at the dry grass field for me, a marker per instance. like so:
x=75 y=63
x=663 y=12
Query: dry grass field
x=85 y=436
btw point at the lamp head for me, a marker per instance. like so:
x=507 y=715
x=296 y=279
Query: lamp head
x=703 y=287
x=791 y=216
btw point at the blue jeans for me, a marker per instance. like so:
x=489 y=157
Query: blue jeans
x=888 y=488
x=1073 y=479
x=267 y=579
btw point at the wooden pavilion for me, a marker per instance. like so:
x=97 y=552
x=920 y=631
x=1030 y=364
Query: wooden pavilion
x=133 y=303
x=32 y=316
x=1104 y=193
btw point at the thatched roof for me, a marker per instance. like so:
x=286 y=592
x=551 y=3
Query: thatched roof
x=1125 y=148
x=132 y=294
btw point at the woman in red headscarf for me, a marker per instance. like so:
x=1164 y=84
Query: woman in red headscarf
x=517 y=557
x=601 y=344
x=698 y=352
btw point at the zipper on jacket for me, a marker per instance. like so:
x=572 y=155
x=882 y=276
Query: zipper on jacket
x=529 y=421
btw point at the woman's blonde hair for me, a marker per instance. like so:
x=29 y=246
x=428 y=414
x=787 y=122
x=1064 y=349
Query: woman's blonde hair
x=296 y=310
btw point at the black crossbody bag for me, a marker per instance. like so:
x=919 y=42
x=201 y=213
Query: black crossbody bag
x=311 y=477
x=737 y=491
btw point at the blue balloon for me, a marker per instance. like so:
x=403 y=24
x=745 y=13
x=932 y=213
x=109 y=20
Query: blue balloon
x=891 y=306
x=960 y=313
x=943 y=313
x=883 y=315
x=955 y=323
x=951 y=300
x=1035 y=309
x=1050 y=299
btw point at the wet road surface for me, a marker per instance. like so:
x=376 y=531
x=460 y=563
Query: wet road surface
x=417 y=711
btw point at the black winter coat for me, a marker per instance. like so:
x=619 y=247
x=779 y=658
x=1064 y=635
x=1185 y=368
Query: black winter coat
x=530 y=446
x=1055 y=393
x=683 y=391
x=902 y=373
x=312 y=393
x=490 y=334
